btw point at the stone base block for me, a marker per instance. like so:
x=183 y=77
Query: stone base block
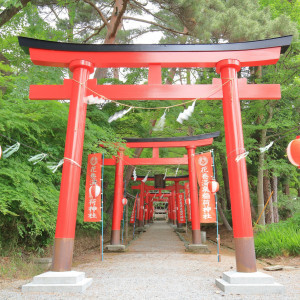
x=256 y=283
x=203 y=237
x=114 y=248
x=140 y=229
x=146 y=226
x=180 y=229
x=71 y=281
x=197 y=248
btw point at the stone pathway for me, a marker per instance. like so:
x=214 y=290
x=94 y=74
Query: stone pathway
x=156 y=266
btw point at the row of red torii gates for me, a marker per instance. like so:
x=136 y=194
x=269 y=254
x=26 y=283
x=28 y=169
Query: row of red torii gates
x=169 y=194
x=190 y=143
x=226 y=58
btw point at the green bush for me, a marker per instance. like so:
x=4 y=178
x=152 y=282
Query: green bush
x=279 y=239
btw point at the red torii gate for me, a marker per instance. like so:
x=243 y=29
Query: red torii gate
x=226 y=58
x=176 y=187
x=174 y=191
x=188 y=142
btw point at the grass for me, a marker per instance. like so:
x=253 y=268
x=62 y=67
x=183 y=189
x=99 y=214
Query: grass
x=280 y=239
x=18 y=267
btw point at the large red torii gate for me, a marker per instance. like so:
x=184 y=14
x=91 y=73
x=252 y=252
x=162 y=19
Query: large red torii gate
x=226 y=58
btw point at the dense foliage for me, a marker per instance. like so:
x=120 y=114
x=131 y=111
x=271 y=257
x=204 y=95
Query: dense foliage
x=279 y=238
x=29 y=193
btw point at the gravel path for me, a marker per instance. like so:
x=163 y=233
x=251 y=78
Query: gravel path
x=156 y=266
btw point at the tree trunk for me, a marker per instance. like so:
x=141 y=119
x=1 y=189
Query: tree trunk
x=113 y=26
x=225 y=178
x=267 y=193
x=260 y=180
x=274 y=184
x=220 y=210
x=223 y=217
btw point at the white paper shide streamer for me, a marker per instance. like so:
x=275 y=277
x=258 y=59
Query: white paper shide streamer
x=96 y=100
x=10 y=150
x=134 y=174
x=240 y=156
x=176 y=171
x=183 y=116
x=37 y=158
x=165 y=174
x=159 y=126
x=146 y=177
x=264 y=149
x=54 y=166
x=119 y=114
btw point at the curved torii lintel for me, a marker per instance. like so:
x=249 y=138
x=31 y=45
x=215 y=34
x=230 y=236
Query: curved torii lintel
x=253 y=53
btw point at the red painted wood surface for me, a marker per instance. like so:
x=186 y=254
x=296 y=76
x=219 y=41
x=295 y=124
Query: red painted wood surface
x=238 y=180
x=157 y=92
x=248 y=58
x=69 y=190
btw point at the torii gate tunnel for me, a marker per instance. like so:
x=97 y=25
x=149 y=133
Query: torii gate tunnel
x=226 y=58
x=190 y=143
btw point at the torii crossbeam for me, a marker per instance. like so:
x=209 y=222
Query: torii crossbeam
x=226 y=58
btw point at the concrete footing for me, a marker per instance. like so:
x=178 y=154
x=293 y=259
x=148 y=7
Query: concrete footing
x=180 y=229
x=203 y=237
x=114 y=248
x=140 y=229
x=146 y=226
x=71 y=281
x=197 y=248
x=256 y=283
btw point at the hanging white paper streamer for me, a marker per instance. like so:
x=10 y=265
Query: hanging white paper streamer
x=95 y=100
x=264 y=149
x=165 y=174
x=243 y=155
x=146 y=177
x=119 y=115
x=134 y=174
x=54 y=167
x=186 y=113
x=176 y=171
x=37 y=158
x=10 y=150
x=159 y=126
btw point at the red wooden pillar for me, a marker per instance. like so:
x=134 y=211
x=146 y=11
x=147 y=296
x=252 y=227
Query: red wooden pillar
x=170 y=210
x=174 y=207
x=118 y=207
x=179 y=225
x=141 y=213
x=196 y=234
x=68 y=199
x=238 y=181
x=147 y=207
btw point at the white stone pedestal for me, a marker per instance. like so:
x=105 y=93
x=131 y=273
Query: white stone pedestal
x=256 y=283
x=197 y=248
x=115 y=248
x=71 y=281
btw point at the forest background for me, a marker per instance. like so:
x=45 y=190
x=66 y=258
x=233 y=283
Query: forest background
x=29 y=192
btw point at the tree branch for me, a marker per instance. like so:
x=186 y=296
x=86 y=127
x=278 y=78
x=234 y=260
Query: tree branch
x=98 y=11
x=11 y=11
x=155 y=24
x=95 y=33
